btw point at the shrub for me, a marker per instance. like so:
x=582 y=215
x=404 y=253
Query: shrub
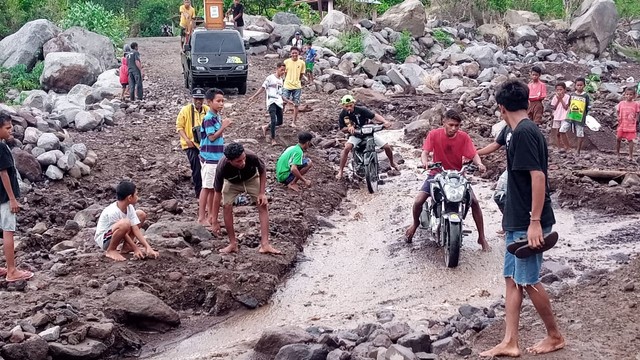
x=628 y=9
x=351 y=42
x=443 y=37
x=593 y=83
x=152 y=14
x=18 y=77
x=403 y=47
x=96 y=18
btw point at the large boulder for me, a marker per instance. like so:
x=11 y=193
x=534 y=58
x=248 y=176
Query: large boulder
x=141 y=309
x=258 y=22
x=329 y=42
x=108 y=79
x=87 y=350
x=286 y=33
x=372 y=47
x=78 y=95
x=483 y=54
x=273 y=340
x=524 y=33
x=35 y=348
x=27 y=164
x=409 y=15
x=499 y=32
x=63 y=70
x=519 y=17
x=255 y=37
x=285 y=18
x=416 y=75
x=336 y=20
x=40 y=100
x=24 y=46
x=593 y=31
x=81 y=40
x=86 y=121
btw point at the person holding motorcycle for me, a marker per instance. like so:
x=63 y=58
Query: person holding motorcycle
x=449 y=146
x=354 y=117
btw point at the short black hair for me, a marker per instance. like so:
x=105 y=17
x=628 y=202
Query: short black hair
x=304 y=137
x=4 y=118
x=294 y=48
x=280 y=64
x=453 y=115
x=233 y=151
x=211 y=93
x=630 y=88
x=562 y=84
x=581 y=79
x=125 y=189
x=537 y=70
x=513 y=95
x=134 y=45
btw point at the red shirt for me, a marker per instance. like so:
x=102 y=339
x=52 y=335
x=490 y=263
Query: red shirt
x=537 y=91
x=628 y=115
x=449 y=150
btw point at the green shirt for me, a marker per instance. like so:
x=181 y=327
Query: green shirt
x=292 y=156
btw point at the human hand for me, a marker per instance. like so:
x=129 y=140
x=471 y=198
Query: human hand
x=482 y=168
x=190 y=144
x=262 y=200
x=386 y=124
x=14 y=205
x=351 y=130
x=152 y=253
x=137 y=254
x=534 y=235
x=307 y=182
x=226 y=123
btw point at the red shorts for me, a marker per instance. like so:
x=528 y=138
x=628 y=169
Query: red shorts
x=627 y=135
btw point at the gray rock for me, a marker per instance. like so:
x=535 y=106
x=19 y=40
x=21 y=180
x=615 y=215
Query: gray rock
x=372 y=47
x=78 y=95
x=63 y=245
x=593 y=31
x=79 y=150
x=338 y=354
x=397 y=78
x=399 y=352
x=67 y=161
x=60 y=269
x=336 y=20
x=273 y=340
x=258 y=50
x=84 y=169
x=468 y=310
x=494 y=30
x=409 y=15
x=486 y=75
x=285 y=18
x=54 y=173
x=397 y=330
x=51 y=334
x=80 y=40
x=47 y=158
x=416 y=341
x=610 y=88
x=145 y=310
x=27 y=165
x=443 y=345
x=39 y=320
x=370 y=67
x=48 y=141
x=31 y=135
x=101 y=331
x=286 y=32
x=448 y=85
x=34 y=348
x=416 y=75
x=295 y=352
x=86 y=350
x=518 y=17
x=62 y=71
x=24 y=46
x=40 y=100
x=525 y=33
x=483 y=54
x=256 y=37
x=85 y=121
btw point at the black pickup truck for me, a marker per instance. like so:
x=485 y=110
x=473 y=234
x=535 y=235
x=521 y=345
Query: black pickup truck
x=215 y=58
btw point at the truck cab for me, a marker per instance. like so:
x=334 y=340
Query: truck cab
x=215 y=58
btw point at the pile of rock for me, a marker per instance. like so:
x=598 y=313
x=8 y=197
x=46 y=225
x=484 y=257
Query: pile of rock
x=385 y=340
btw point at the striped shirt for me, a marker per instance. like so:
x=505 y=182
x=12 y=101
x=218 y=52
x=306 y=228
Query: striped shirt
x=211 y=151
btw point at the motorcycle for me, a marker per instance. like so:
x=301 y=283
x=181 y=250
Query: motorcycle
x=447 y=207
x=365 y=159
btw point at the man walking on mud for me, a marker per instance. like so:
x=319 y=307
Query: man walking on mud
x=189 y=119
x=528 y=214
x=135 y=73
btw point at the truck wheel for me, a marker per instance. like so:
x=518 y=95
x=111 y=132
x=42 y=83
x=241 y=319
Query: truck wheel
x=242 y=89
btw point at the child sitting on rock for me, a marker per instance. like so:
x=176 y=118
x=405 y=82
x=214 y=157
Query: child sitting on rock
x=120 y=223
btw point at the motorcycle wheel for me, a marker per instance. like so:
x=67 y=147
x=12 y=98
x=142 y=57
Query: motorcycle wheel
x=453 y=241
x=371 y=174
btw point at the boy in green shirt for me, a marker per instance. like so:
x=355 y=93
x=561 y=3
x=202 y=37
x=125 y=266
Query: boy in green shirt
x=292 y=165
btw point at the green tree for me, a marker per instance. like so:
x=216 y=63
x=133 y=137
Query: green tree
x=96 y=18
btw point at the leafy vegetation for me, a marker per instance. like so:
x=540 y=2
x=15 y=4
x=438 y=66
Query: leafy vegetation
x=403 y=47
x=94 y=17
x=593 y=83
x=628 y=9
x=442 y=37
x=18 y=77
x=152 y=14
x=352 y=42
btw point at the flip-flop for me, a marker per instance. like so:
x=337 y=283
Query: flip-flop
x=523 y=242
x=26 y=276
x=549 y=241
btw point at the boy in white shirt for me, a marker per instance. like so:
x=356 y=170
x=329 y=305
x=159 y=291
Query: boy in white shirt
x=120 y=223
x=275 y=102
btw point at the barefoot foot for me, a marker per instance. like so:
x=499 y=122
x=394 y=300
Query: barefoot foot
x=339 y=176
x=264 y=130
x=408 y=235
x=19 y=275
x=549 y=344
x=502 y=350
x=204 y=222
x=294 y=187
x=268 y=249
x=114 y=255
x=484 y=244
x=229 y=249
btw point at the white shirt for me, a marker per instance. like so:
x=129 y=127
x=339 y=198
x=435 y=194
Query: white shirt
x=297 y=43
x=111 y=215
x=273 y=87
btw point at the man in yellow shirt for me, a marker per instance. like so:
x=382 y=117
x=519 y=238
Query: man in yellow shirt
x=190 y=118
x=187 y=15
x=292 y=89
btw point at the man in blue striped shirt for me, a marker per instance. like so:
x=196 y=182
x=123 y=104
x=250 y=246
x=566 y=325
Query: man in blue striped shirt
x=211 y=150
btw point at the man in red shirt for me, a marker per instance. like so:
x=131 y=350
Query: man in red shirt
x=449 y=146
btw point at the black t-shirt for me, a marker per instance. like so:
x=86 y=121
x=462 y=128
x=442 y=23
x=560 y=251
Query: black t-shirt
x=358 y=118
x=131 y=61
x=7 y=163
x=526 y=151
x=237 y=10
x=504 y=136
x=226 y=171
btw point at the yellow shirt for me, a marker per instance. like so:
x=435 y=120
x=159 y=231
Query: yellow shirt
x=183 y=20
x=294 y=70
x=184 y=122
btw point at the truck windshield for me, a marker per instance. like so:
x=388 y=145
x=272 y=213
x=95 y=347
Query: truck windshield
x=218 y=42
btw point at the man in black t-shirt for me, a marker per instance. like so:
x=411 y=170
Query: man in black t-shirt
x=528 y=214
x=238 y=12
x=240 y=172
x=354 y=117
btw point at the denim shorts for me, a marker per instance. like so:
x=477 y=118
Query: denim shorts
x=523 y=271
x=292 y=177
x=293 y=95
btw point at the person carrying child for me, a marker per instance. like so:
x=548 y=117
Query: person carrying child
x=579 y=106
x=120 y=223
x=628 y=115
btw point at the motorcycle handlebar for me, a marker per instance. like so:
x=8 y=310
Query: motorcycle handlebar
x=373 y=129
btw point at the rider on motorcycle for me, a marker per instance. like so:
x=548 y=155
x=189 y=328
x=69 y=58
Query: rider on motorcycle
x=354 y=117
x=449 y=145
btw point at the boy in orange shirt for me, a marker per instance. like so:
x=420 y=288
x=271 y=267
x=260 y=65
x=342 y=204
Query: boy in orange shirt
x=628 y=115
x=537 y=93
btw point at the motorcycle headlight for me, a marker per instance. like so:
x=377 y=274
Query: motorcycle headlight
x=453 y=193
x=367 y=130
x=241 y=67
